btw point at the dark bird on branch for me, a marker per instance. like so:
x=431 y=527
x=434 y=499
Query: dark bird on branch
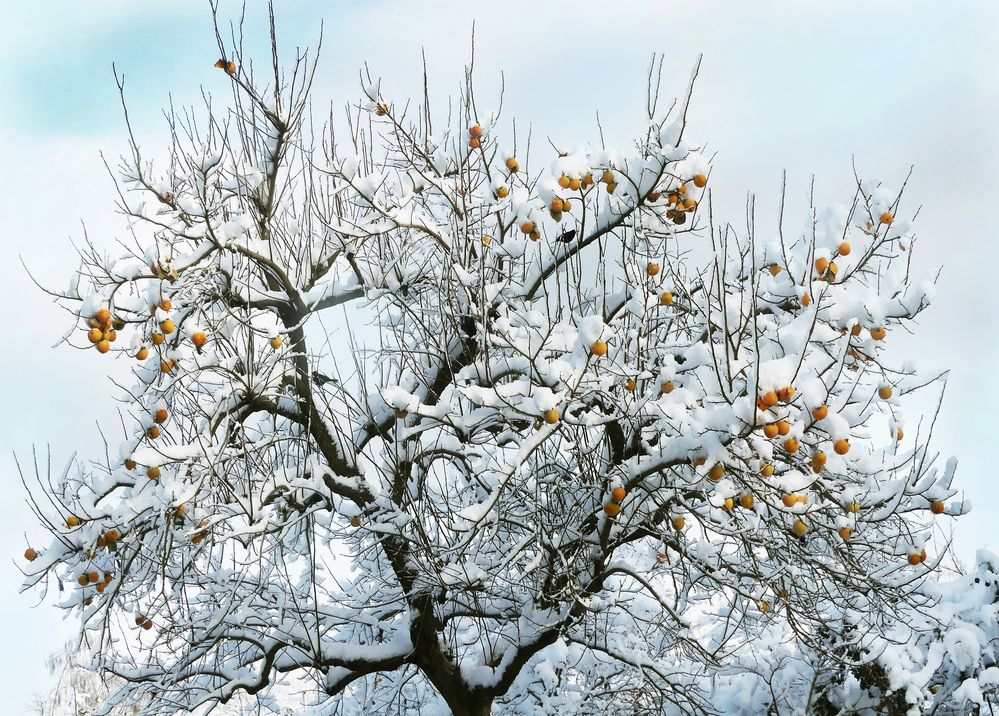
x=567 y=236
x=321 y=380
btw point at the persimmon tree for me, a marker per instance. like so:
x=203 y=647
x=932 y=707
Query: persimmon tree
x=423 y=416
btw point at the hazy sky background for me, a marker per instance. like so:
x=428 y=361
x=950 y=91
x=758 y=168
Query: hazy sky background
x=796 y=84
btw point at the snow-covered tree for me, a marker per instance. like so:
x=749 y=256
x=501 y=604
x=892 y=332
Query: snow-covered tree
x=436 y=420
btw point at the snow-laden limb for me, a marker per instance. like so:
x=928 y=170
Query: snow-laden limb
x=424 y=430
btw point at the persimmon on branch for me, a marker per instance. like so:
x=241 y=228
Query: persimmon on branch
x=593 y=445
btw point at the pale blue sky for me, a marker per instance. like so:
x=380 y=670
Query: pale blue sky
x=795 y=84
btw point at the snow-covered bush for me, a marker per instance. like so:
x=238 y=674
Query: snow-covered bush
x=432 y=423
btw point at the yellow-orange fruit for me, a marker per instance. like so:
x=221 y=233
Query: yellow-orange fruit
x=199 y=339
x=786 y=393
x=158 y=339
x=551 y=416
x=783 y=427
x=841 y=446
x=103 y=346
x=820 y=412
x=130 y=464
x=806 y=300
x=611 y=187
x=767 y=470
x=913 y=556
x=587 y=180
x=94 y=335
x=770 y=430
x=535 y=235
x=618 y=493
x=899 y=434
x=717 y=471
x=608 y=177
x=112 y=535
x=276 y=342
x=166 y=366
x=789 y=500
x=700 y=181
x=30 y=554
x=886 y=217
x=630 y=384
x=599 y=348
x=167 y=326
x=502 y=192
x=612 y=509
x=747 y=502
x=512 y=164
x=678 y=522
x=166 y=304
x=884 y=392
x=153 y=473
x=475 y=131
x=821 y=264
x=791 y=445
x=564 y=181
x=652 y=268
x=153 y=432
x=556 y=204
x=699 y=461
x=774 y=269
x=853 y=507
x=355 y=521
x=845 y=532
x=666 y=387
x=937 y=507
x=475 y=142
x=728 y=504
x=486 y=239
x=83 y=580
x=103 y=316
x=878 y=334
x=769 y=398
x=161 y=415
x=855 y=331
x=527 y=227
x=799 y=528
x=818 y=461
x=844 y=248
x=764 y=606
x=575 y=184
x=665 y=298
x=73 y=521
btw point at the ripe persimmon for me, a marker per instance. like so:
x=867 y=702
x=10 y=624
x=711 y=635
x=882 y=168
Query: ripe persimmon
x=618 y=493
x=844 y=248
x=841 y=446
x=770 y=430
x=791 y=445
x=276 y=342
x=551 y=416
x=665 y=298
x=199 y=339
x=599 y=348
x=886 y=217
x=666 y=387
x=820 y=412
x=799 y=528
x=937 y=507
x=884 y=392
x=678 y=522
x=30 y=554
x=717 y=471
x=612 y=509
x=512 y=164
x=700 y=181
x=167 y=326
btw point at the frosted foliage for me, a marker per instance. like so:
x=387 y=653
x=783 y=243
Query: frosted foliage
x=397 y=437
